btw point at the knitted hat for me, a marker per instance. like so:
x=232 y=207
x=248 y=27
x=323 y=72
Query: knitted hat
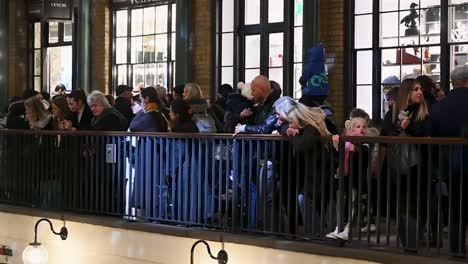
x=314 y=79
x=246 y=90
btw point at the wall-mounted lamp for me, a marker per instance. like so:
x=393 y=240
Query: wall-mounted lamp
x=222 y=256
x=37 y=254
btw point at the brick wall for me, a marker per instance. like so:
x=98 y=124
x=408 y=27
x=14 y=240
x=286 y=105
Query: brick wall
x=101 y=46
x=17 y=47
x=202 y=50
x=331 y=32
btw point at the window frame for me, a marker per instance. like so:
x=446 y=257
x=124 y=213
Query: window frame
x=171 y=62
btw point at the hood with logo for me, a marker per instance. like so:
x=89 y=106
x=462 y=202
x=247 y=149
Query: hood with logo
x=314 y=79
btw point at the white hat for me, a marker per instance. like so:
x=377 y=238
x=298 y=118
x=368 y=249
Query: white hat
x=246 y=90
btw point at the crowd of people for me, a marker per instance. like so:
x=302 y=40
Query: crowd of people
x=416 y=109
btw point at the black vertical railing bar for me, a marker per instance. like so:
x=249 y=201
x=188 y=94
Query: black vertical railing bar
x=450 y=190
x=368 y=176
x=263 y=183
x=296 y=211
x=429 y=222
x=199 y=181
x=207 y=184
x=314 y=178
x=220 y=182
x=235 y=183
x=439 y=198
x=339 y=198
x=227 y=174
x=101 y=160
x=359 y=198
x=289 y=191
x=332 y=193
x=258 y=183
x=274 y=169
x=461 y=222
x=349 y=192
x=418 y=192
x=389 y=181
x=398 y=194
x=213 y=180
x=193 y=178
x=323 y=178
x=376 y=149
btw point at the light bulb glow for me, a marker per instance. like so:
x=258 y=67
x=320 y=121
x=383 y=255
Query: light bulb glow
x=35 y=255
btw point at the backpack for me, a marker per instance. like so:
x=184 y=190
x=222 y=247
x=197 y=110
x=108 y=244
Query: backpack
x=204 y=122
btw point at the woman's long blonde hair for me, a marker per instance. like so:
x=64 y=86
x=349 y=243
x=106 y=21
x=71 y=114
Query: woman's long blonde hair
x=404 y=94
x=295 y=112
x=37 y=109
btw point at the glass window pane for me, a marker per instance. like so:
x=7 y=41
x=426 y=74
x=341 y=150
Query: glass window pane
x=276 y=50
x=430 y=26
x=431 y=62
x=37 y=62
x=250 y=74
x=252 y=51
x=458 y=56
x=121 y=74
x=363 y=6
x=121 y=50
x=406 y=4
x=67 y=31
x=138 y=74
x=364 y=67
x=388 y=5
x=298 y=44
x=161 y=47
x=297 y=93
x=121 y=24
x=150 y=74
x=173 y=47
x=37 y=35
x=409 y=35
x=227 y=49
x=37 y=84
x=228 y=15
x=161 y=19
x=53 y=32
x=457 y=2
x=162 y=74
x=298 y=11
x=137 y=50
x=173 y=18
x=429 y=3
x=458 y=31
x=59 y=64
x=252 y=12
x=148 y=20
x=364 y=98
x=391 y=59
x=227 y=74
x=276 y=74
x=363 y=31
x=389 y=29
x=137 y=22
x=148 y=49
x=275 y=11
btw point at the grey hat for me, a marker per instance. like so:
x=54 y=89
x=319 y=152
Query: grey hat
x=460 y=74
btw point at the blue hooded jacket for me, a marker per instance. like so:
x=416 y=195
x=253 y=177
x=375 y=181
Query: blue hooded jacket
x=314 y=79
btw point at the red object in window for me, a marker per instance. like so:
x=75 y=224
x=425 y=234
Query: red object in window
x=406 y=58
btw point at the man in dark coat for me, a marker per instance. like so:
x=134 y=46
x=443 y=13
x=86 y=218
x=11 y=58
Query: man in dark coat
x=448 y=119
x=81 y=111
x=123 y=103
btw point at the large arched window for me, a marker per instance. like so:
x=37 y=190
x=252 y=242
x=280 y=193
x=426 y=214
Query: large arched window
x=144 y=44
x=260 y=37
x=396 y=39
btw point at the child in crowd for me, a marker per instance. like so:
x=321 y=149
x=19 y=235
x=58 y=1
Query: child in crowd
x=181 y=118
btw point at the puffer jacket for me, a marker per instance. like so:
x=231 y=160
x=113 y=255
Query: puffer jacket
x=205 y=120
x=265 y=118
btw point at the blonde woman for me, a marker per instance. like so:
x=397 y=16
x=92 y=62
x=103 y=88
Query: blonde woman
x=202 y=115
x=36 y=114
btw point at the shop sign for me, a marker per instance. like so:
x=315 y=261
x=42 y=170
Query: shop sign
x=57 y=10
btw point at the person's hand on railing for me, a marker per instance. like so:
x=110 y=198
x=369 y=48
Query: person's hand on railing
x=239 y=129
x=336 y=141
x=275 y=132
x=66 y=125
x=292 y=131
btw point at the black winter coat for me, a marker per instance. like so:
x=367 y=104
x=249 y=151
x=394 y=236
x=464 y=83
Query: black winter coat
x=124 y=106
x=110 y=120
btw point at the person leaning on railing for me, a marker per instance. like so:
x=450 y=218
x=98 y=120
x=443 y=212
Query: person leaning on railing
x=106 y=118
x=449 y=118
x=408 y=118
x=150 y=119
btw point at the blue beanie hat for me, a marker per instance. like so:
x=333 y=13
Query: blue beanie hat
x=314 y=79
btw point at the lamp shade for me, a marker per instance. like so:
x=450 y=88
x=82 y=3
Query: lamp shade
x=35 y=255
